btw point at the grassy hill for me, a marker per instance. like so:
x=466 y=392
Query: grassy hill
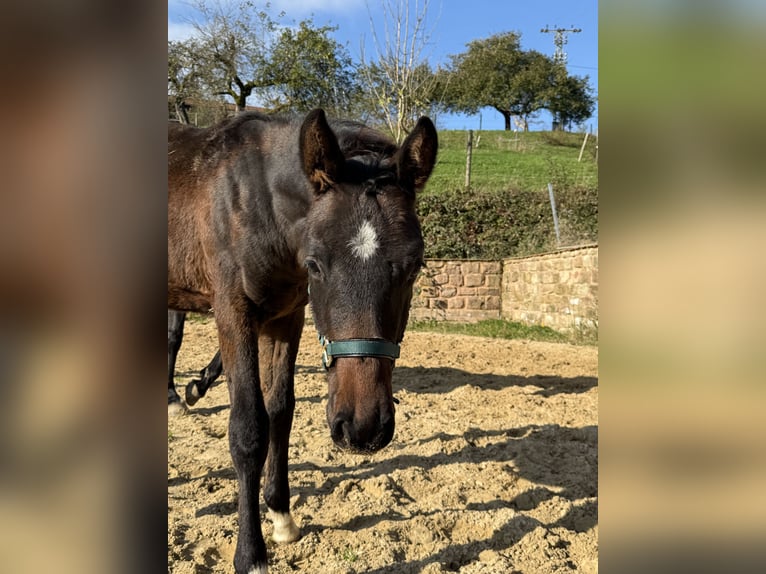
x=514 y=160
x=507 y=211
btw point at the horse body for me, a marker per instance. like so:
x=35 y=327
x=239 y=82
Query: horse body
x=261 y=209
x=224 y=209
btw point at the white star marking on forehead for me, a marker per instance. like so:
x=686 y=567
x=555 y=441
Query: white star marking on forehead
x=365 y=243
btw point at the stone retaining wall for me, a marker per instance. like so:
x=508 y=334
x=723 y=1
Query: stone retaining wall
x=558 y=290
x=458 y=291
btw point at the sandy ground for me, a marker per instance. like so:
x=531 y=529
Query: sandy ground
x=492 y=469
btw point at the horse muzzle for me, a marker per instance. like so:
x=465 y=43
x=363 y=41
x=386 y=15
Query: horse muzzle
x=360 y=407
x=355 y=436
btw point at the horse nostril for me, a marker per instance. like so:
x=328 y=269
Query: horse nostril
x=386 y=421
x=346 y=432
x=341 y=431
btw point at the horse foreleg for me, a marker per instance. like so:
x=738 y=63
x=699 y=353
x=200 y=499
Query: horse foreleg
x=197 y=388
x=175 y=336
x=248 y=426
x=278 y=350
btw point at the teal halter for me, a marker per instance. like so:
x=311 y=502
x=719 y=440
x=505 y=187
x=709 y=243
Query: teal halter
x=332 y=350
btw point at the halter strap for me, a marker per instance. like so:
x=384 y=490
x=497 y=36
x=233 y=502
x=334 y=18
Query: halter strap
x=332 y=350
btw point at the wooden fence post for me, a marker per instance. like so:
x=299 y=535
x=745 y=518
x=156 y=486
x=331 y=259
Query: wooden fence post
x=582 y=149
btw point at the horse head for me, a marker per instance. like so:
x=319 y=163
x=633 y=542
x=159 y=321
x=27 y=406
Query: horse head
x=363 y=250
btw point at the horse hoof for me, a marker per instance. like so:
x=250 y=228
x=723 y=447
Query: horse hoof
x=285 y=529
x=176 y=408
x=192 y=393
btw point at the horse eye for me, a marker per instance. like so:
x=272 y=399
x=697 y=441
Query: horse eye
x=313 y=267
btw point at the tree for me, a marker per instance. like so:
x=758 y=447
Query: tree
x=495 y=72
x=570 y=100
x=184 y=80
x=398 y=109
x=233 y=43
x=308 y=69
x=399 y=83
x=530 y=86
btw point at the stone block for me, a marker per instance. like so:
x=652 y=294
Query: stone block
x=473 y=280
x=491 y=267
x=474 y=303
x=427 y=292
x=448 y=292
x=492 y=280
x=440 y=279
x=493 y=302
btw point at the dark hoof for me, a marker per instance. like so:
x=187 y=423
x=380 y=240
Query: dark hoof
x=192 y=393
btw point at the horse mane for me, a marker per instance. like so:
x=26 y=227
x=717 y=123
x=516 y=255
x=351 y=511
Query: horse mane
x=357 y=139
x=368 y=149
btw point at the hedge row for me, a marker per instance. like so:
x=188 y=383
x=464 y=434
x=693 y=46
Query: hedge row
x=491 y=225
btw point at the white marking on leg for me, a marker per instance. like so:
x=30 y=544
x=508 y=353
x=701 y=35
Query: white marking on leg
x=285 y=529
x=365 y=243
x=259 y=570
x=176 y=409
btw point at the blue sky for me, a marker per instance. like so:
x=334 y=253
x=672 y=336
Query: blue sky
x=453 y=23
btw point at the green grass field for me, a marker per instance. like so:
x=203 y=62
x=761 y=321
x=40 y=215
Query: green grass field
x=514 y=160
x=503 y=329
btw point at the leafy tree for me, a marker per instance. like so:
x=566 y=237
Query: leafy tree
x=495 y=72
x=570 y=100
x=307 y=68
x=528 y=89
x=233 y=43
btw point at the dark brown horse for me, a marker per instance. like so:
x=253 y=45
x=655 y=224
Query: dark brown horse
x=262 y=210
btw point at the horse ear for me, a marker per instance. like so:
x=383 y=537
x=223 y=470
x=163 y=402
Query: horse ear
x=320 y=153
x=417 y=156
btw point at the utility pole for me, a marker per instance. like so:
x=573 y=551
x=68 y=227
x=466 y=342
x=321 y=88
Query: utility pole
x=560 y=39
x=559 y=56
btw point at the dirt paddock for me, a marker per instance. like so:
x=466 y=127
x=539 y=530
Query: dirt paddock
x=492 y=469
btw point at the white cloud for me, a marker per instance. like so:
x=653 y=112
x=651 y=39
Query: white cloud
x=180 y=31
